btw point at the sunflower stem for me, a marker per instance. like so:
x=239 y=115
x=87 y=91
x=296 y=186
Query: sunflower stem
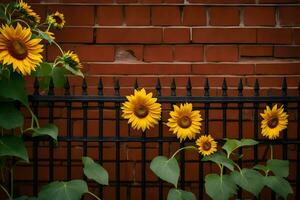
x=60 y=49
x=271 y=152
x=92 y=194
x=183 y=148
x=6 y=192
x=237 y=167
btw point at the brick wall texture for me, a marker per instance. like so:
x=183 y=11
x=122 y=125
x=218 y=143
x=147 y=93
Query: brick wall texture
x=146 y=39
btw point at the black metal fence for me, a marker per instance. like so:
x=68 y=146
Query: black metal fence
x=246 y=110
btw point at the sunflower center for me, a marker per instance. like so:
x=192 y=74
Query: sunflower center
x=206 y=146
x=184 y=122
x=272 y=123
x=141 y=111
x=18 y=49
x=57 y=19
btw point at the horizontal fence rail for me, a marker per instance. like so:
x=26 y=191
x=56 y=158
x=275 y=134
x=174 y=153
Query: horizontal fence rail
x=116 y=137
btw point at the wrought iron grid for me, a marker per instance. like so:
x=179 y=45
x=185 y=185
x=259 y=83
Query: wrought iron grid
x=238 y=102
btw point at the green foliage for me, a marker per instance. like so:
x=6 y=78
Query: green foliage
x=59 y=190
x=166 y=169
x=45 y=36
x=49 y=129
x=13 y=146
x=221 y=159
x=14 y=88
x=219 y=187
x=94 y=171
x=76 y=72
x=279 y=185
x=233 y=144
x=10 y=116
x=176 y=194
x=249 y=179
x=59 y=76
x=279 y=167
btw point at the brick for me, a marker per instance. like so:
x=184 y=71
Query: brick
x=188 y=53
x=256 y=51
x=194 y=16
x=224 y=16
x=86 y=53
x=274 y=35
x=73 y=14
x=137 y=15
x=222 y=35
x=176 y=35
x=297 y=36
x=110 y=15
x=126 y=1
x=157 y=53
x=287 y=51
x=74 y=34
x=278 y=68
x=165 y=15
x=259 y=16
x=135 y=50
x=151 y=1
x=223 y=53
x=135 y=69
x=129 y=35
x=289 y=16
x=278 y=1
x=173 y=1
x=223 y=69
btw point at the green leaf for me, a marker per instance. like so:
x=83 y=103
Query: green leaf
x=13 y=146
x=94 y=171
x=261 y=167
x=279 y=185
x=4 y=72
x=233 y=144
x=166 y=169
x=176 y=194
x=14 y=88
x=74 y=71
x=49 y=129
x=10 y=116
x=249 y=179
x=44 y=69
x=279 y=167
x=25 y=198
x=220 y=158
x=219 y=188
x=59 y=190
x=58 y=75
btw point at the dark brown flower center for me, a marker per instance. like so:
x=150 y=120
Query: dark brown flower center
x=57 y=19
x=206 y=146
x=18 y=49
x=141 y=111
x=272 y=123
x=184 y=122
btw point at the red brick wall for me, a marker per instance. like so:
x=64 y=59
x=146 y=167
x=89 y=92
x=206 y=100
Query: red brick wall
x=146 y=39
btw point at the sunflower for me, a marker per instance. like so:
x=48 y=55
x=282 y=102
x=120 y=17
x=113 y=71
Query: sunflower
x=72 y=60
x=141 y=110
x=28 y=12
x=19 y=50
x=57 y=20
x=185 y=122
x=273 y=122
x=206 y=145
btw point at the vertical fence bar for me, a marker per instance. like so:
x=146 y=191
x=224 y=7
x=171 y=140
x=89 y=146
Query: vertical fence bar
x=35 y=157
x=160 y=144
x=255 y=123
x=69 y=130
x=298 y=148
x=240 y=121
x=51 y=145
x=224 y=108
x=85 y=115
x=285 y=105
x=100 y=130
x=117 y=113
